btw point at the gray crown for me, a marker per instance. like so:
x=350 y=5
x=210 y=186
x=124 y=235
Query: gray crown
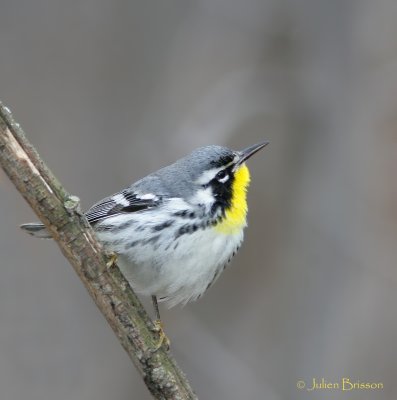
x=178 y=178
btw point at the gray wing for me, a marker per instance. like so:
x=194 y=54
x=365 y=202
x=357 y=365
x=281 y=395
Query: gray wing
x=126 y=201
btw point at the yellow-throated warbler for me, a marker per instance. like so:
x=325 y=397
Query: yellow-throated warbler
x=175 y=230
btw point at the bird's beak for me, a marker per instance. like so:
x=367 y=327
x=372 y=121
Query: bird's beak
x=245 y=154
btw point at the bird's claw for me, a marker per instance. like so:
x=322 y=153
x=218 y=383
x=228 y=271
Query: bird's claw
x=112 y=260
x=163 y=339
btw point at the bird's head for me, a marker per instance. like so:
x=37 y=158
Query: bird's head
x=220 y=179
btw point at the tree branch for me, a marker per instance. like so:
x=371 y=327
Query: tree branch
x=59 y=211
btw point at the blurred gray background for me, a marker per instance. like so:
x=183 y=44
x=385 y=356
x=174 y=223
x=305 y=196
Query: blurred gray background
x=110 y=91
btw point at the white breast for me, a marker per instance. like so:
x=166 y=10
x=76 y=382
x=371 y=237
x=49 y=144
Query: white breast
x=183 y=271
x=176 y=269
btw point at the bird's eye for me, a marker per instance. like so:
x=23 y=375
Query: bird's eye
x=222 y=176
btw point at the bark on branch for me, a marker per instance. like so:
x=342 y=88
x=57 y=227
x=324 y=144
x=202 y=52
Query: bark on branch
x=59 y=211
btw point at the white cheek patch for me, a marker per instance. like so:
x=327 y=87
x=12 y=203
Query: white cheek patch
x=203 y=196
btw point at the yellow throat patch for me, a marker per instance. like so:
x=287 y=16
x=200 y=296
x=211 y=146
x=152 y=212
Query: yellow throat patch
x=236 y=214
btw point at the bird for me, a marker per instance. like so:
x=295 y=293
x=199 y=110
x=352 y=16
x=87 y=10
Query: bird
x=174 y=231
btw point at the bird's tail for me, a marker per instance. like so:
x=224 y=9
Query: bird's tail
x=37 y=230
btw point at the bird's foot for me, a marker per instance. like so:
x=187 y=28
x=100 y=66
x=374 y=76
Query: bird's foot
x=163 y=339
x=112 y=260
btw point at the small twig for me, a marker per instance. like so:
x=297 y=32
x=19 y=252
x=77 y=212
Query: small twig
x=111 y=292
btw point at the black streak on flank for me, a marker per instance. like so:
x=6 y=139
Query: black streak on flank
x=102 y=228
x=131 y=244
x=182 y=213
x=162 y=226
x=123 y=226
x=182 y=230
x=187 y=228
x=185 y=214
x=151 y=240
